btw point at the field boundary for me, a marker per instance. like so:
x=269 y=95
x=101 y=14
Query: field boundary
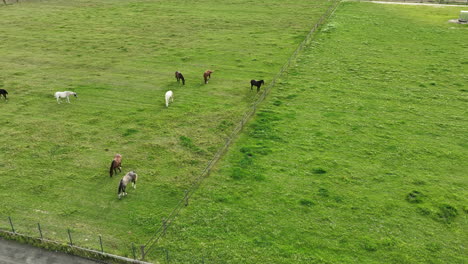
x=427 y=3
x=47 y=244
x=150 y=245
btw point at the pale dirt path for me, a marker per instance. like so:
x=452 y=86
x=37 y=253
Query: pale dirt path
x=405 y=3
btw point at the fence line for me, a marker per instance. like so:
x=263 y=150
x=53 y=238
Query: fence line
x=70 y=248
x=160 y=232
x=10 y=2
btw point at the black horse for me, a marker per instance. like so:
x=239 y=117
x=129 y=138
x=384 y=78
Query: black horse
x=179 y=76
x=4 y=93
x=256 y=83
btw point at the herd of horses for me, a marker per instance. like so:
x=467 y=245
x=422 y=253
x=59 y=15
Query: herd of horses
x=169 y=96
x=116 y=163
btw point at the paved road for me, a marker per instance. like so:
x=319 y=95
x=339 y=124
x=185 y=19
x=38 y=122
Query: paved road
x=16 y=253
x=405 y=3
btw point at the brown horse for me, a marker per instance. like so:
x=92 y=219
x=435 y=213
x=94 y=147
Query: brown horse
x=207 y=75
x=116 y=164
x=256 y=83
x=179 y=76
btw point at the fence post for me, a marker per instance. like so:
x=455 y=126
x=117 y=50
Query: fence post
x=70 y=237
x=186 y=197
x=100 y=242
x=142 y=247
x=133 y=250
x=11 y=224
x=40 y=231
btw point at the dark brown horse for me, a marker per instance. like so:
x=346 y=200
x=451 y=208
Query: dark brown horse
x=256 y=83
x=116 y=164
x=207 y=75
x=179 y=76
x=3 y=93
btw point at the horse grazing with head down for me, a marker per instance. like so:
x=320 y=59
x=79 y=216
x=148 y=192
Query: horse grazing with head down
x=207 y=75
x=116 y=164
x=65 y=94
x=129 y=177
x=169 y=97
x=179 y=76
x=3 y=93
x=256 y=83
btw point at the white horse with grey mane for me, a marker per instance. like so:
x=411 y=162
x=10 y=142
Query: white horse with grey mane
x=129 y=177
x=65 y=94
x=169 y=96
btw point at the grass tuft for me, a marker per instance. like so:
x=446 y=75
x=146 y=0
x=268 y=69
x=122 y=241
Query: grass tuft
x=446 y=213
x=414 y=197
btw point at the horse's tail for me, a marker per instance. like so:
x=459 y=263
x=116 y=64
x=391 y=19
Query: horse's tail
x=120 y=186
x=111 y=170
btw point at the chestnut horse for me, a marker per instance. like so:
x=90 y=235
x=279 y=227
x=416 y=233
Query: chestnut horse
x=256 y=83
x=207 y=75
x=179 y=76
x=116 y=164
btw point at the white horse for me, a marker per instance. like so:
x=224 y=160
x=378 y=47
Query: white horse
x=129 y=177
x=169 y=96
x=65 y=94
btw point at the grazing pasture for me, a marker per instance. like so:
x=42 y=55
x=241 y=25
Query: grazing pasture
x=120 y=58
x=359 y=154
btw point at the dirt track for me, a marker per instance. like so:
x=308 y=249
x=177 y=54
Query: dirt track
x=405 y=3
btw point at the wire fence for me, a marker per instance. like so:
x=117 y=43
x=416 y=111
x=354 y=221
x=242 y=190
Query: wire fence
x=151 y=245
x=72 y=241
x=10 y=2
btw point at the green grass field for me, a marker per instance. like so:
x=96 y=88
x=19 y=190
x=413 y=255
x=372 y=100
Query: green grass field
x=120 y=57
x=359 y=155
